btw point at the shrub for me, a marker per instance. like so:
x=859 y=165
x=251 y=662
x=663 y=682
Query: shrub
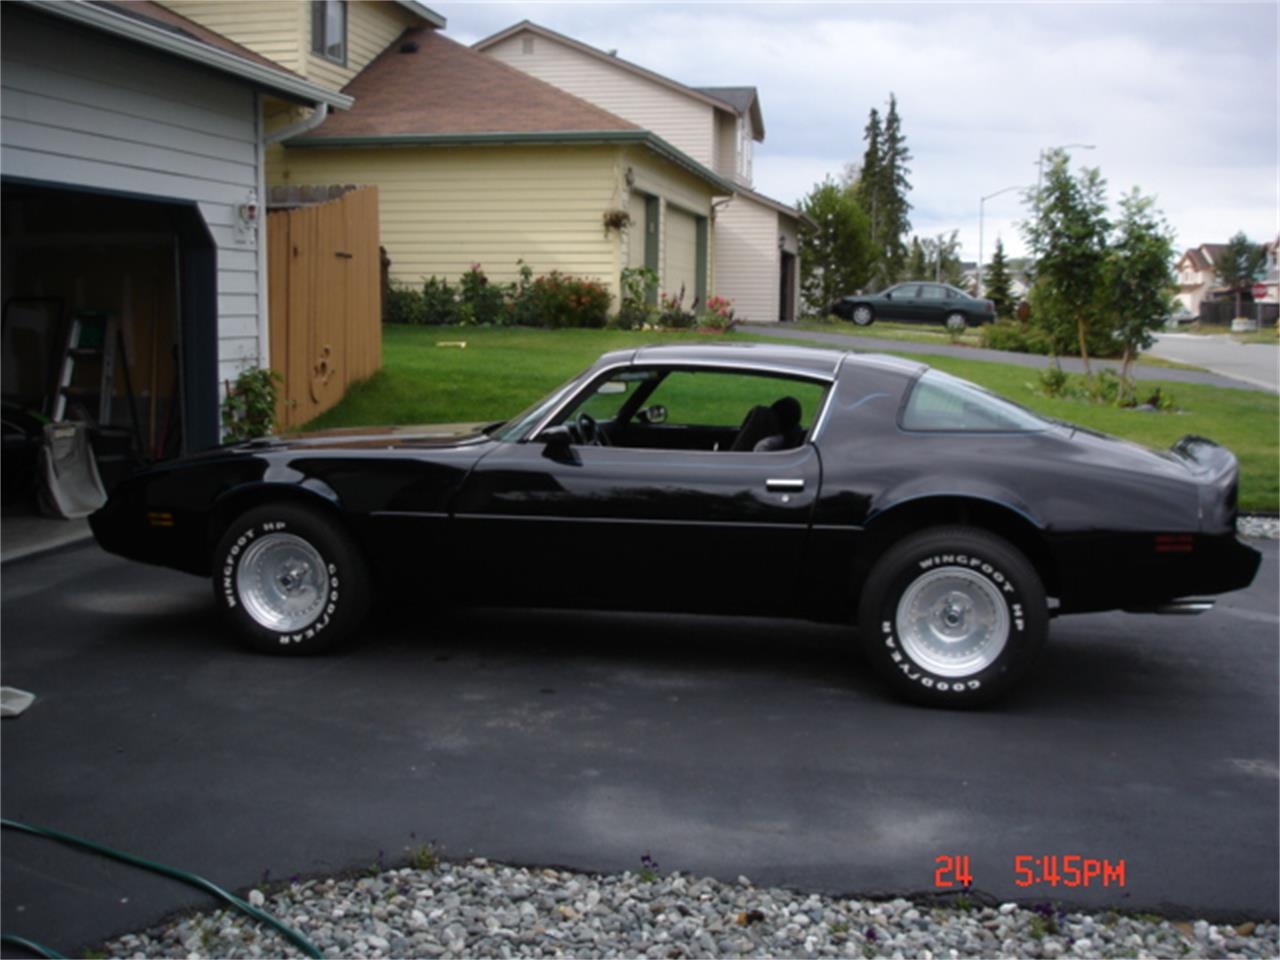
x=439 y=302
x=249 y=408
x=404 y=305
x=1015 y=337
x=486 y=300
x=635 y=311
x=563 y=301
x=672 y=311
x=717 y=314
x=523 y=306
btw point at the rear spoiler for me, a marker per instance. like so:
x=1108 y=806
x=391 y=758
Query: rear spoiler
x=1216 y=468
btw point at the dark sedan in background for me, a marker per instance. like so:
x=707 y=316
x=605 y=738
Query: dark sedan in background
x=917 y=301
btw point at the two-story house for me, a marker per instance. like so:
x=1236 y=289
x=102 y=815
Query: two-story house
x=1196 y=276
x=755 y=237
x=476 y=162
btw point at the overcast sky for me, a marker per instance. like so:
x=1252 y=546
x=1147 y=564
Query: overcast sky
x=1179 y=99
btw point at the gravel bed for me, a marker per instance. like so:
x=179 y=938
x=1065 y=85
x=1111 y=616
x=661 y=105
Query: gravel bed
x=480 y=909
x=1257 y=525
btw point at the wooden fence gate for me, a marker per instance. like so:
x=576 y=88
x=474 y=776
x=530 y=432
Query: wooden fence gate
x=325 y=301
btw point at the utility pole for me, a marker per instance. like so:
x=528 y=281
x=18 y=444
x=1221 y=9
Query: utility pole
x=981 y=202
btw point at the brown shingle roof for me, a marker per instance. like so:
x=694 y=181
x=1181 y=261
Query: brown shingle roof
x=159 y=16
x=444 y=87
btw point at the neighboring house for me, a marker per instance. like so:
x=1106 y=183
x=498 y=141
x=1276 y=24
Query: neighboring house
x=479 y=163
x=755 y=237
x=133 y=175
x=1271 y=276
x=1196 y=276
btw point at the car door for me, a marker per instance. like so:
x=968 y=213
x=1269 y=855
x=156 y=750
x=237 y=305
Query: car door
x=898 y=302
x=640 y=528
x=931 y=305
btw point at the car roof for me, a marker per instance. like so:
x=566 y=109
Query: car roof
x=768 y=357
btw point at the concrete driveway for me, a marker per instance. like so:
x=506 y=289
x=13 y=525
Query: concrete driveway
x=1255 y=363
x=717 y=746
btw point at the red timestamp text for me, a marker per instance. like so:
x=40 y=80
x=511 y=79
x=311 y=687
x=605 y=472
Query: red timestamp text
x=1051 y=870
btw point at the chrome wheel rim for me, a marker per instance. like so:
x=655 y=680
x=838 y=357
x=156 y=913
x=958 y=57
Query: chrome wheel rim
x=862 y=316
x=953 y=622
x=282 y=582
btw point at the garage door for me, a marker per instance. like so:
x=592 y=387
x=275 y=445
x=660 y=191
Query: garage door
x=682 y=255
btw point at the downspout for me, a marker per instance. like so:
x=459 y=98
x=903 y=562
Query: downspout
x=318 y=116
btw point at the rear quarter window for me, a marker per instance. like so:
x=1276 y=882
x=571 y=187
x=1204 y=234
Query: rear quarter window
x=940 y=402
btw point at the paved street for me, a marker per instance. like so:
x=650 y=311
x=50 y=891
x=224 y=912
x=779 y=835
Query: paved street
x=1235 y=365
x=717 y=746
x=1256 y=363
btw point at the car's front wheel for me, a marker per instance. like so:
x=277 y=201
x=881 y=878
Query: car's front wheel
x=290 y=581
x=952 y=617
x=863 y=315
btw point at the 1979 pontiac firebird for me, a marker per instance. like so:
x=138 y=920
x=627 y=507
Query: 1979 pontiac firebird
x=946 y=523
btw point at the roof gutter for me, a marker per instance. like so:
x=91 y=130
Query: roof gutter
x=107 y=21
x=318 y=116
x=641 y=137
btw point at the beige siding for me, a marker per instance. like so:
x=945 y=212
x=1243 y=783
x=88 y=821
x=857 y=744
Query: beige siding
x=674 y=187
x=281 y=31
x=680 y=269
x=686 y=123
x=443 y=209
x=371 y=26
x=747 y=262
x=272 y=29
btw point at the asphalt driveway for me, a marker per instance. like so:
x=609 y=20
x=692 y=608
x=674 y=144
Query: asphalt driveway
x=716 y=746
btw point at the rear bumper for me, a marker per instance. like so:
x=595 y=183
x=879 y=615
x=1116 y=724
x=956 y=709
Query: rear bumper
x=1144 y=571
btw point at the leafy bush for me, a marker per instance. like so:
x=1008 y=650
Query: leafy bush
x=672 y=312
x=439 y=302
x=717 y=314
x=564 y=301
x=1015 y=337
x=249 y=409
x=635 y=311
x=404 y=305
x=487 y=302
x=1104 y=386
x=522 y=309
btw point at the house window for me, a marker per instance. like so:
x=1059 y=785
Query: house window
x=329 y=29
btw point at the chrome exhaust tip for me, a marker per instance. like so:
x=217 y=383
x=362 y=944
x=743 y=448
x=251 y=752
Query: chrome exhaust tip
x=1177 y=608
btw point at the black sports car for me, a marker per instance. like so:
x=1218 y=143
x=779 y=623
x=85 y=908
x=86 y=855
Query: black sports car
x=916 y=300
x=949 y=524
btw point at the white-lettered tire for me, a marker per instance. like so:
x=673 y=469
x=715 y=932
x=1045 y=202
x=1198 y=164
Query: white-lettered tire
x=290 y=580
x=952 y=617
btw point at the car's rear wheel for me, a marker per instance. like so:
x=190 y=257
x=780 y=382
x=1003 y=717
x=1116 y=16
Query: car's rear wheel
x=290 y=581
x=862 y=315
x=953 y=617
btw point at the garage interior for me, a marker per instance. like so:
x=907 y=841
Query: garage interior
x=108 y=319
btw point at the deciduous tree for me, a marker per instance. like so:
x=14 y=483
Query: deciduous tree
x=835 y=256
x=1138 y=283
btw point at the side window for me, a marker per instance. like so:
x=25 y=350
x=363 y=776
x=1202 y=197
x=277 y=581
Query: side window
x=930 y=291
x=942 y=402
x=329 y=29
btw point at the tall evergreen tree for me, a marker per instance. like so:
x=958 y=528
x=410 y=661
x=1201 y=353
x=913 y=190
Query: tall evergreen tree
x=917 y=262
x=997 y=285
x=894 y=208
x=867 y=189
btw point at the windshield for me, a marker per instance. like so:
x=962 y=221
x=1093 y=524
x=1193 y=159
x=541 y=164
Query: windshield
x=943 y=402
x=515 y=429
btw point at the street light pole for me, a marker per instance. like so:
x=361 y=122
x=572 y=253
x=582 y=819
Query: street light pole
x=981 y=202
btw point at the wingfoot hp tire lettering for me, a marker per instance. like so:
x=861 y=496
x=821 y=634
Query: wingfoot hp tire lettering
x=290 y=580
x=953 y=616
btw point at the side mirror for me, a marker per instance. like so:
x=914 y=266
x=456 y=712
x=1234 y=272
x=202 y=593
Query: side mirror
x=655 y=414
x=888 y=296
x=557 y=436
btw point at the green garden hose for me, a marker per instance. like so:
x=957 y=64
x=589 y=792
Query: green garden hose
x=191 y=879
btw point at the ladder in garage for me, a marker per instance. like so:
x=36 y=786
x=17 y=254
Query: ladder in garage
x=92 y=338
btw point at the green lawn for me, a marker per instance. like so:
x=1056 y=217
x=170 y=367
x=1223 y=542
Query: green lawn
x=503 y=370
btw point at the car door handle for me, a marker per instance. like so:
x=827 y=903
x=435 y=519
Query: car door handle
x=784 y=485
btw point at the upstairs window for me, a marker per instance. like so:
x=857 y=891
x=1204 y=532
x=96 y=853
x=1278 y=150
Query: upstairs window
x=329 y=29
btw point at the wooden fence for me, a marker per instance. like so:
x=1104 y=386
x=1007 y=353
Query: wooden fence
x=325 y=301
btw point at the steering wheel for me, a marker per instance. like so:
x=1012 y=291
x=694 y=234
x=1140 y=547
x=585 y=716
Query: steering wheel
x=590 y=431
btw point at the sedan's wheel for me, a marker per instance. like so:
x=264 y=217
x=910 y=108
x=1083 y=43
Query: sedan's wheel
x=863 y=315
x=952 y=616
x=956 y=322
x=290 y=581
